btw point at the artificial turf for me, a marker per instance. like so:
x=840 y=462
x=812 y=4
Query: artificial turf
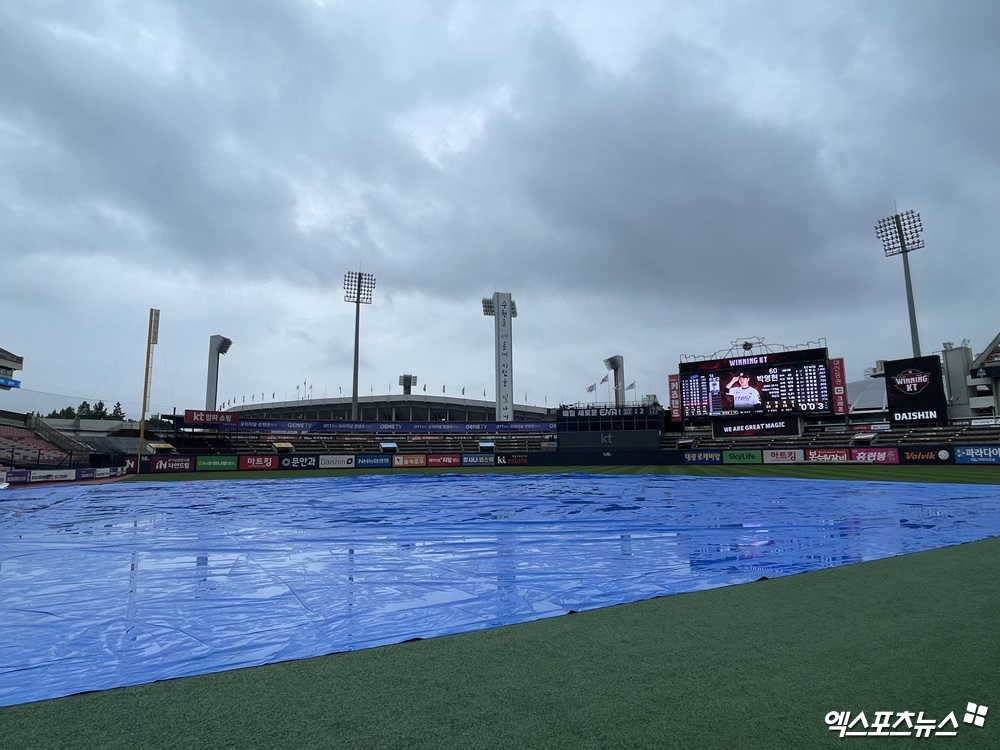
x=757 y=665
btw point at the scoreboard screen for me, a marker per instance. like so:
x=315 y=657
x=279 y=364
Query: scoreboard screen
x=787 y=383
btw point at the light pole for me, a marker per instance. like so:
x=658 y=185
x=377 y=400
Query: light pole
x=616 y=365
x=216 y=345
x=358 y=288
x=900 y=234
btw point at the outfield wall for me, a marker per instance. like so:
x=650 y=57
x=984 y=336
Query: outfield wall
x=894 y=455
x=962 y=455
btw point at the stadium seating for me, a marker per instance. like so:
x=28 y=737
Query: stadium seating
x=21 y=447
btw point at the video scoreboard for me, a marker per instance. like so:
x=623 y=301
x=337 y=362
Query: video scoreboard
x=776 y=383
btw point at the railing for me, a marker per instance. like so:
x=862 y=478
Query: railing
x=52 y=435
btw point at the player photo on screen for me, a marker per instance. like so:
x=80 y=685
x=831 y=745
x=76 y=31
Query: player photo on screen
x=744 y=392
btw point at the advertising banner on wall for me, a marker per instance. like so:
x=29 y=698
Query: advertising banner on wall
x=258 y=463
x=915 y=391
x=838 y=386
x=828 y=454
x=977 y=454
x=926 y=454
x=444 y=459
x=299 y=462
x=217 y=463
x=478 y=459
x=703 y=457
x=786 y=456
x=873 y=455
x=375 y=461
x=741 y=457
x=285 y=427
x=53 y=475
x=409 y=460
x=512 y=459
x=170 y=463
x=336 y=462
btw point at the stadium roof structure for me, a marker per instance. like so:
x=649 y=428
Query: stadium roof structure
x=990 y=356
x=867 y=396
x=393 y=407
x=10 y=361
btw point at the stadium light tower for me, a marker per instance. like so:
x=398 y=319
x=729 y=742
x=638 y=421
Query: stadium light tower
x=216 y=345
x=617 y=365
x=358 y=289
x=503 y=309
x=900 y=234
x=407 y=381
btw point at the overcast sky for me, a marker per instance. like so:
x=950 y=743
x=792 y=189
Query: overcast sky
x=651 y=179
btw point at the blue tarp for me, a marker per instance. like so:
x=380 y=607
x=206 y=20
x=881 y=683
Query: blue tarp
x=120 y=584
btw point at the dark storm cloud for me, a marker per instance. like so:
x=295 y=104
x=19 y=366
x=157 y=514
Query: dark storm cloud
x=734 y=158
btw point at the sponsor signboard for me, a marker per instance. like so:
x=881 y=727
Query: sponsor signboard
x=258 y=463
x=924 y=454
x=875 y=455
x=741 y=457
x=444 y=459
x=512 y=459
x=16 y=476
x=783 y=456
x=286 y=427
x=408 y=460
x=102 y=473
x=838 y=386
x=217 y=463
x=210 y=418
x=915 y=391
x=977 y=454
x=377 y=461
x=703 y=457
x=171 y=463
x=609 y=439
x=336 y=462
x=828 y=454
x=983 y=421
x=86 y=473
x=478 y=459
x=674 y=382
x=299 y=462
x=755 y=427
x=52 y=475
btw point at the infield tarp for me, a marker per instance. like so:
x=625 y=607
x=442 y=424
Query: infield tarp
x=121 y=584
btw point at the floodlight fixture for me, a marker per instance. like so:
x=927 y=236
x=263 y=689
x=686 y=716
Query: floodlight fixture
x=617 y=366
x=901 y=234
x=217 y=345
x=358 y=287
x=407 y=381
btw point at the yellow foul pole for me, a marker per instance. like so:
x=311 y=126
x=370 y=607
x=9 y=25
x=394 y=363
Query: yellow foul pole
x=151 y=339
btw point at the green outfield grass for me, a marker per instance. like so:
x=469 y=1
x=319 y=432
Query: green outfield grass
x=856 y=472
